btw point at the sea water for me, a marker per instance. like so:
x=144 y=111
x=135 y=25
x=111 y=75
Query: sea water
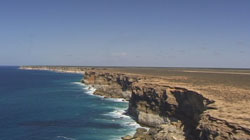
x=45 y=105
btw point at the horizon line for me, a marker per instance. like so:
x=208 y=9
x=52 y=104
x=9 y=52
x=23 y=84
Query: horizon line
x=129 y=66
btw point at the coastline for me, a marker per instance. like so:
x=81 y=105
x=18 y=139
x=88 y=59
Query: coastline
x=54 y=70
x=171 y=112
x=118 y=112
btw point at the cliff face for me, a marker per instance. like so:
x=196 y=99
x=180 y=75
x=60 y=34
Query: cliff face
x=166 y=105
x=110 y=85
x=172 y=113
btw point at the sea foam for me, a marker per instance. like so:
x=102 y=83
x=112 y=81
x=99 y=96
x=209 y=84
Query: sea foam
x=64 y=138
x=117 y=113
x=88 y=89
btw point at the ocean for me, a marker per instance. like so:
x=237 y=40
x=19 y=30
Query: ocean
x=45 y=105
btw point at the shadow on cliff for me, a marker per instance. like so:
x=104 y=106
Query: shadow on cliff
x=190 y=107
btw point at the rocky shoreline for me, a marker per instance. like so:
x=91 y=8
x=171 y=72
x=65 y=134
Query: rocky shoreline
x=172 y=113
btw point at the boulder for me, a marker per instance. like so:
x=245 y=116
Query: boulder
x=127 y=137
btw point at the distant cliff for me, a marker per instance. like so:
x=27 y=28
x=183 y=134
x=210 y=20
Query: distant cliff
x=172 y=113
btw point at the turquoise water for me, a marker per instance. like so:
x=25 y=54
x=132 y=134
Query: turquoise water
x=44 y=105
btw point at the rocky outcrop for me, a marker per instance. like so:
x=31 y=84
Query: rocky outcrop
x=110 y=85
x=173 y=109
x=211 y=128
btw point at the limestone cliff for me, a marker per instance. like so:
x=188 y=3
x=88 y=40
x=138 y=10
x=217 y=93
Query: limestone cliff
x=110 y=85
x=172 y=113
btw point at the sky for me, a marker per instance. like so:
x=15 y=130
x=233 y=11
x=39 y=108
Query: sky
x=156 y=33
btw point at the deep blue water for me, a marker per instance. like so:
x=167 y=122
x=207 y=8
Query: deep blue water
x=44 y=105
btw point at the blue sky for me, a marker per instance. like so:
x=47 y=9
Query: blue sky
x=166 y=33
